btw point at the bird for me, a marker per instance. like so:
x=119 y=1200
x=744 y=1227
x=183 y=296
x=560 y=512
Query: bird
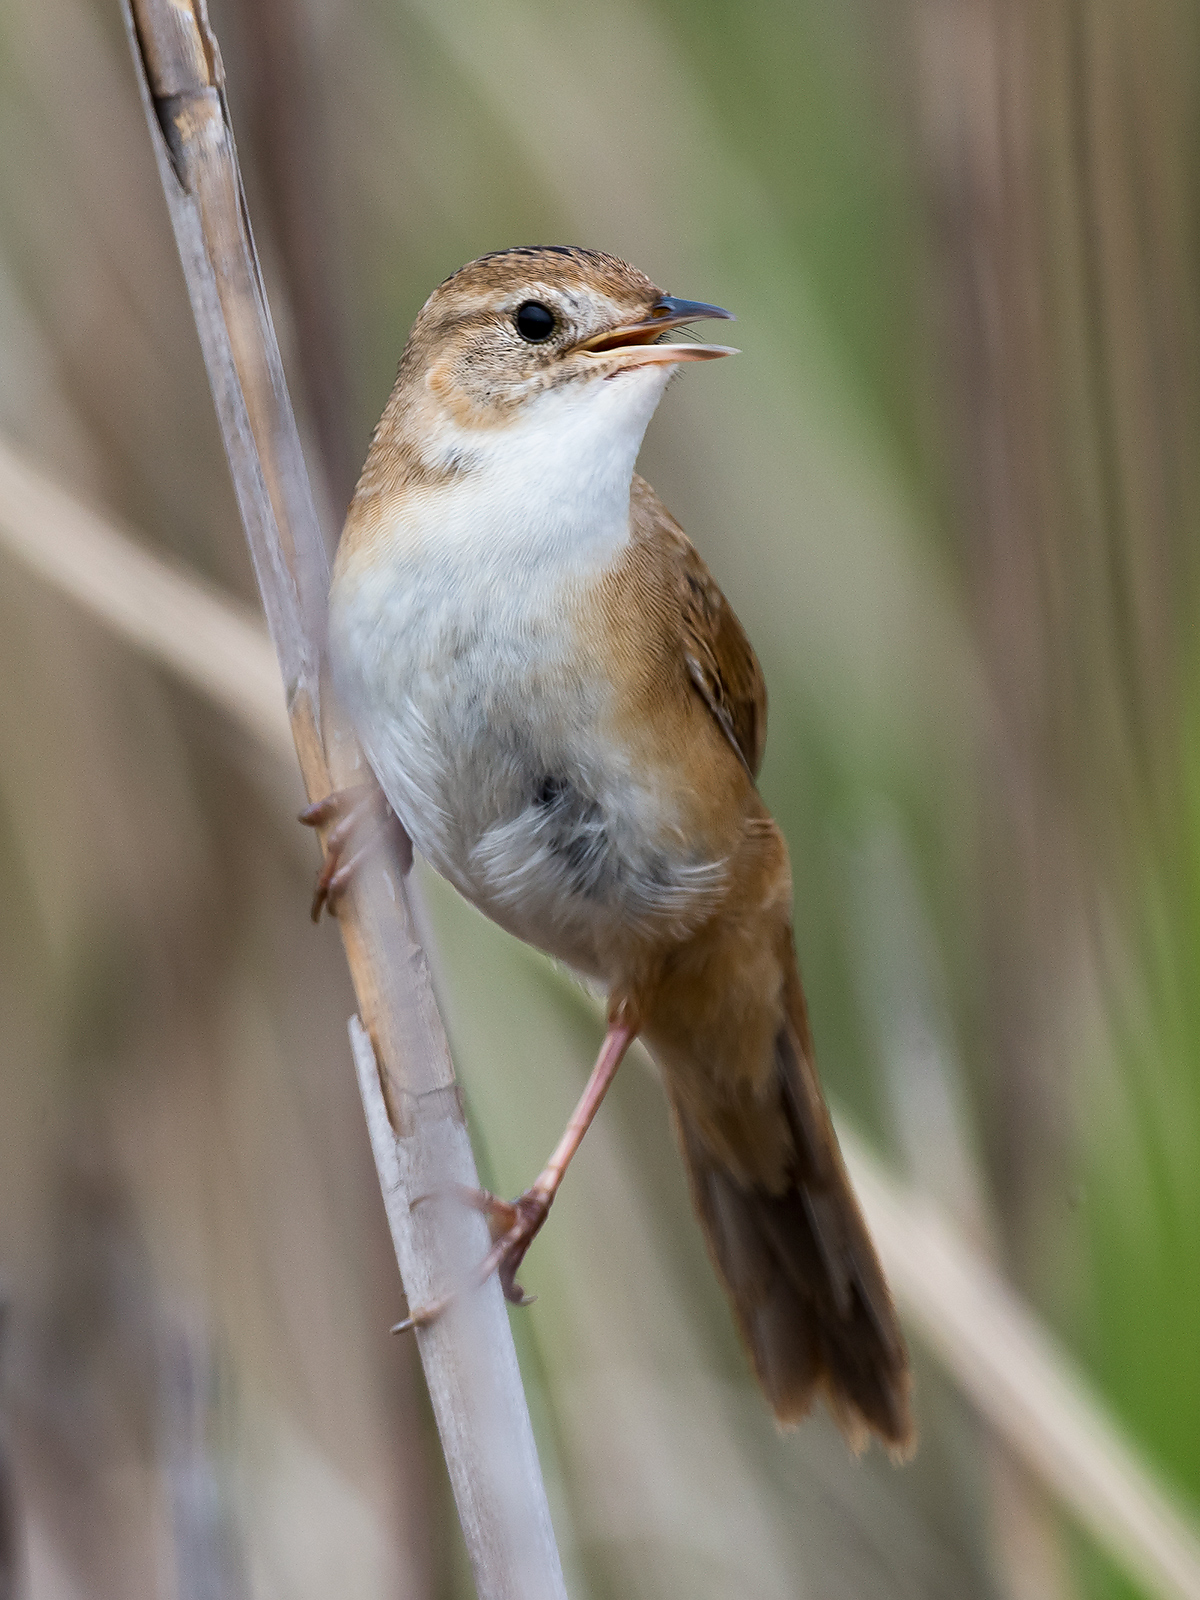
x=567 y=720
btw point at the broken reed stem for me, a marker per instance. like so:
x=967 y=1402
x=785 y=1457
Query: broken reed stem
x=413 y=1109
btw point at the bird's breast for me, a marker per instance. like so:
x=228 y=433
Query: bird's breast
x=499 y=734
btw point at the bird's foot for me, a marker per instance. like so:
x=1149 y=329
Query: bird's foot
x=513 y=1225
x=346 y=812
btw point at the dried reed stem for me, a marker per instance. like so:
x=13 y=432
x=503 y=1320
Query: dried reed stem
x=204 y=637
x=418 y=1131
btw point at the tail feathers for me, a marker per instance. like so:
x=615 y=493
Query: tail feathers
x=797 y=1261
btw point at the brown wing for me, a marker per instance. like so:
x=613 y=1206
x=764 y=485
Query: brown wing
x=720 y=660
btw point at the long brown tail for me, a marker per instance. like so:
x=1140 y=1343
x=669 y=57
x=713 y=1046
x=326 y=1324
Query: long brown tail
x=807 y=1288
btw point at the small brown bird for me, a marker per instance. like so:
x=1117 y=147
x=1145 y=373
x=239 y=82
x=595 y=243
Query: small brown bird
x=567 y=718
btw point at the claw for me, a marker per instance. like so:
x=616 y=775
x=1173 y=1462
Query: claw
x=501 y=1214
x=423 y=1316
x=492 y=1207
x=513 y=1225
x=323 y=811
x=511 y=1289
x=347 y=810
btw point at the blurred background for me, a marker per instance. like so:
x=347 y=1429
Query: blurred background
x=952 y=487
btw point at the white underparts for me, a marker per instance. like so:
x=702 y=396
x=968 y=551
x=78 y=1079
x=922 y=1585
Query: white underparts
x=455 y=652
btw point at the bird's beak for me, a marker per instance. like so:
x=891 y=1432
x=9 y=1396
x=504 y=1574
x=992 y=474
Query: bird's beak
x=635 y=344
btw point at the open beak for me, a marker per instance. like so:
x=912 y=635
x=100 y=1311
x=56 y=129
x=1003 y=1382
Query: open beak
x=636 y=344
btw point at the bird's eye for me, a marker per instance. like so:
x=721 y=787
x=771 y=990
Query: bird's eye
x=535 y=322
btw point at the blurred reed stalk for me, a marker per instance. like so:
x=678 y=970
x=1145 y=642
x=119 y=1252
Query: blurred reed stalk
x=468 y=1354
x=1058 y=136
x=277 y=52
x=993 y=1346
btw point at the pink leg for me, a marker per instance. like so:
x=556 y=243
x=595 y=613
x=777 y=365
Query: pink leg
x=515 y=1225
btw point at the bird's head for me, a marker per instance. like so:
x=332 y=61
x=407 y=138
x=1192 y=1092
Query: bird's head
x=540 y=340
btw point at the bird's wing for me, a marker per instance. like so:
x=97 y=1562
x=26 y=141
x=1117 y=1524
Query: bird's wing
x=719 y=658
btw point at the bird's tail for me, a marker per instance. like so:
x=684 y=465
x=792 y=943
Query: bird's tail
x=793 y=1251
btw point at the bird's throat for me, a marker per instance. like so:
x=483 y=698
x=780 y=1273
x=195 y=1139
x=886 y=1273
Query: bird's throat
x=547 y=491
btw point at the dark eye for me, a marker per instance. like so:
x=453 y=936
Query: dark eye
x=535 y=322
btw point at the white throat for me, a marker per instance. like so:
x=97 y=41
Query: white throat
x=550 y=488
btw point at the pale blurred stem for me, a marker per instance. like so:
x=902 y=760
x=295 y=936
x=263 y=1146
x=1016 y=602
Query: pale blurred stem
x=288 y=151
x=1069 y=329
x=975 y=110
x=469 y=1359
x=288 y=118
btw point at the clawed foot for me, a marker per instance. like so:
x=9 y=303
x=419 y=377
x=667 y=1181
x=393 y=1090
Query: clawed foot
x=350 y=810
x=513 y=1226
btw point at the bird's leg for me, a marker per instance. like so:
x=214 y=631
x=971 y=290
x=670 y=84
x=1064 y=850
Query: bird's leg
x=514 y=1224
x=348 y=810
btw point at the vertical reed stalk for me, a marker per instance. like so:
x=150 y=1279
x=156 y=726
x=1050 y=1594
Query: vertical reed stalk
x=414 y=1113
